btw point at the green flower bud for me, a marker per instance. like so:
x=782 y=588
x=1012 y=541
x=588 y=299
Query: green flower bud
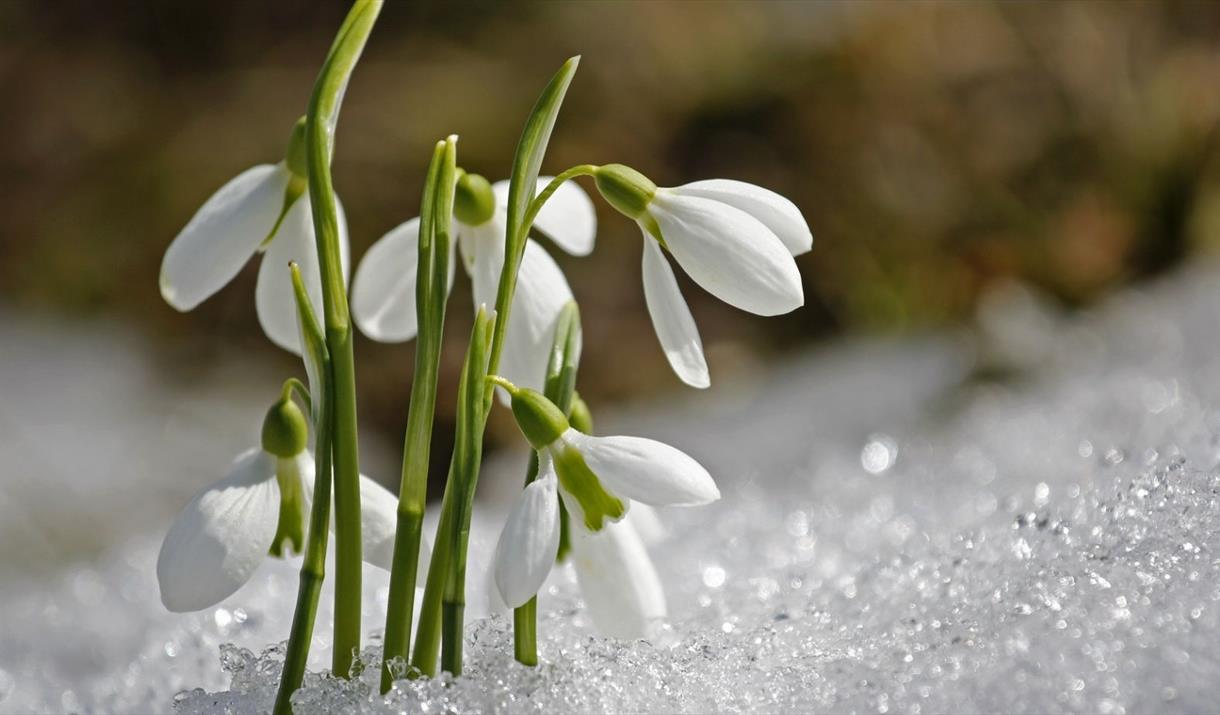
x=285 y=429
x=625 y=189
x=295 y=158
x=539 y=419
x=473 y=200
x=583 y=485
x=580 y=416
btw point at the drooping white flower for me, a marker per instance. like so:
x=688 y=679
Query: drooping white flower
x=233 y=225
x=383 y=292
x=261 y=507
x=597 y=478
x=736 y=240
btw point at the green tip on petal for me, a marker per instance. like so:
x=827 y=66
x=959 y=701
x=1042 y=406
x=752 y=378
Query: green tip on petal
x=581 y=484
x=290 y=530
x=285 y=430
x=474 y=202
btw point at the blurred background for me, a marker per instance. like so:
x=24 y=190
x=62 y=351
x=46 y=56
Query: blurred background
x=939 y=151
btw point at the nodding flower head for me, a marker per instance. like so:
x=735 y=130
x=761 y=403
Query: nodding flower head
x=265 y=209
x=736 y=240
x=260 y=508
x=597 y=478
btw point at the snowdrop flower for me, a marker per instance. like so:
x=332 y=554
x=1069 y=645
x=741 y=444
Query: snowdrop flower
x=264 y=210
x=736 y=240
x=597 y=478
x=262 y=507
x=383 y=292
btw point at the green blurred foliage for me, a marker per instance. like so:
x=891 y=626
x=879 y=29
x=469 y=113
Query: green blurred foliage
x=934 y=149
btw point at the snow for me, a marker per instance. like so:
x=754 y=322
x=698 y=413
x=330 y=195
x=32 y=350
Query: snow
x=918 y=525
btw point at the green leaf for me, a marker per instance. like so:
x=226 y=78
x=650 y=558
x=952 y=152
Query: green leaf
x=533 y=144
x=523 y=184
x=565 y=358
x=313 y=345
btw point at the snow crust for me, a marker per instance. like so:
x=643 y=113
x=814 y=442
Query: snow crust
x=911 y=526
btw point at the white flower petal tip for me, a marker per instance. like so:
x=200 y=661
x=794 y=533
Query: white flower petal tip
x=672 y=320
x=618 y=581
x=383 y=291
x=274 y=297
x=530 y=540
x=645 y=470
x=773 y=210
x=568 y=218
x=218 y=540
x=222 y=235
x=729 y=253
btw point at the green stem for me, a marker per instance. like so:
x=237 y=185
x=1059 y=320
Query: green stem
x=313 y=571
x=321 y=118
x=431 y=296
x=560 y=388
x=515 y=243
x=313 y=566
x=467 y=455
x=428 y=633
x=449 y=554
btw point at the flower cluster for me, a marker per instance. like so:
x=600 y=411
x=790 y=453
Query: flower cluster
x=735 y=240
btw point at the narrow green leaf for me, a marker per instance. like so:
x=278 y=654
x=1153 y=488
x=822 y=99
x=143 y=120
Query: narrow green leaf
x=313 y=344
x=522 y=187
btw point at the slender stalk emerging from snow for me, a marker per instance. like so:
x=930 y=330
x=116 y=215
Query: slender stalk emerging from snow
x=449 y=554
x=431 y=296
x=320 y=124
x=560 y=388
x=313 y=566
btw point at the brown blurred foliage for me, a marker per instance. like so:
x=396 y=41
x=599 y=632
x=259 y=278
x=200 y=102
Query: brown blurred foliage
x=934 y=148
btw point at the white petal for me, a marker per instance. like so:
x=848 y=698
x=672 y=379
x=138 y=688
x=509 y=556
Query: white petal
x=383 y=292
x=728 y=252
x=222 y=235
x=483 y=254
x=530 y=540
x=219 y=539
x=644 y=519
x=378 y=517
x=645 y=470
x=671 y=318
x=776 y=212
x=617 y=579
x=273 y=295
x=567 y=218
x=542 y=292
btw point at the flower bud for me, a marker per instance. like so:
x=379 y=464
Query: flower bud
x=285 y=429
x=625 y=189
x=540 y=420
x=581 y=418
x=295 y=158
x=473 y=200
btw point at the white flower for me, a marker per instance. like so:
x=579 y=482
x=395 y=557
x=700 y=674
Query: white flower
x=597 y=478
x=383 y=292
x=232 y=226
x=736 y=240
x=223 y=534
